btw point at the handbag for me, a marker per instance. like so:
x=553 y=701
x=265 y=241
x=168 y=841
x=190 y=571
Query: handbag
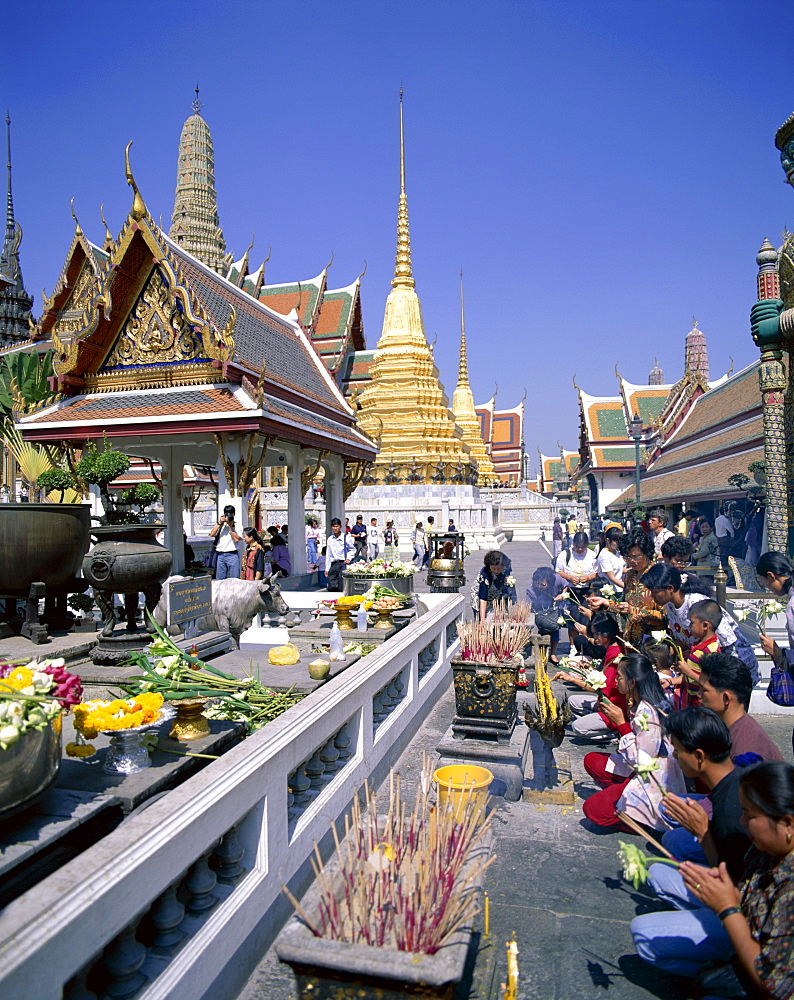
x=548 y=622
x=781 y=687
x=212 y=555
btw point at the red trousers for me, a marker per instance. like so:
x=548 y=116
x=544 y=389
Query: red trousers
x=600 y=807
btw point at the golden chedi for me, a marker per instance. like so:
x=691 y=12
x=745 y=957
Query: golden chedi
x=403 y=406
x=465 y=415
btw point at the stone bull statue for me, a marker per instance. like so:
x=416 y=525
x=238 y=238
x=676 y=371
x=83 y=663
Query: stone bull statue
x=234 y=604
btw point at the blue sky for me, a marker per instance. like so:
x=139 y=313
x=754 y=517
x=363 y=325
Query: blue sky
x=602 y=171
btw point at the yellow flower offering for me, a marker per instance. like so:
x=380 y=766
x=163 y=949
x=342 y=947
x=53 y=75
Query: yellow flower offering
x=80 y=750
x=19 y=678
x=93 y=717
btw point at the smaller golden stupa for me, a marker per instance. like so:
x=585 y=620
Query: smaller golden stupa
x=403 y=406
x=464 y=412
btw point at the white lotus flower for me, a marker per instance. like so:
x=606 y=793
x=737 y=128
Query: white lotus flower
x=11 y=712
x=634 y=862
x=645 y=764
x=8 y=736
x=595 y=679
x=42 y=682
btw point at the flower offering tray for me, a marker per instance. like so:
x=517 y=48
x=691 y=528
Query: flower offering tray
x=127 y=753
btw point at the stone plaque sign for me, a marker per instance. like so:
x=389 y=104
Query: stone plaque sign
x=189 y=599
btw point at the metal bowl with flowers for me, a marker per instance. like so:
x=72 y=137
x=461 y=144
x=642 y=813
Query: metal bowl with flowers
x=32 y=696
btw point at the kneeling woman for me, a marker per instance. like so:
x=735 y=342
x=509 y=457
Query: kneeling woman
x=641 y=741
x=757 y=916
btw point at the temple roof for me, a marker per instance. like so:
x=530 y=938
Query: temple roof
x=261 y=333
x=302 y=296
x=718 y=437
x=604 y=417
x=613 y=457
x=647 y=400
x=188 y=409
x=724 y=404
x=148 y=339
x=706 y=481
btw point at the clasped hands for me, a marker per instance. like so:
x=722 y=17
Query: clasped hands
x=689 y=813
x=712 y=886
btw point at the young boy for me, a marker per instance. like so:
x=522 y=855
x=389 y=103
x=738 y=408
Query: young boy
x=704 y=620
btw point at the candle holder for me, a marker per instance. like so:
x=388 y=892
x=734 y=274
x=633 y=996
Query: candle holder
x=190 y=723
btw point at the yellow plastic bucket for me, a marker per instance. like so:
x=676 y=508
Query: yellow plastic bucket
x=464 y=787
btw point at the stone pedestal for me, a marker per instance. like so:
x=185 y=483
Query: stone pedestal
x=552 y=780
x=506 y=761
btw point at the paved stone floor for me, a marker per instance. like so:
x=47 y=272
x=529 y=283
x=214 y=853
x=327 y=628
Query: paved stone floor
x=555 y=883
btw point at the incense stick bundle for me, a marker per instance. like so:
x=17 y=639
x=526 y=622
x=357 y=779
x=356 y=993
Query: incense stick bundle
x=404 y=882
x=491 y=641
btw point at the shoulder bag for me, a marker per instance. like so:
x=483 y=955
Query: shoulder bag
x=781 y=686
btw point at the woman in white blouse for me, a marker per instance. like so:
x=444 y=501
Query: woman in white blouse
x=609 y=562
x=577 y=567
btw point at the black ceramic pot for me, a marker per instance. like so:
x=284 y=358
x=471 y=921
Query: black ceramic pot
x=127 y=558
x=41 y=542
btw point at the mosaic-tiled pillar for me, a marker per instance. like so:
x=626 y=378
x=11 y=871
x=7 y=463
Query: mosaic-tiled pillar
x=772 y=379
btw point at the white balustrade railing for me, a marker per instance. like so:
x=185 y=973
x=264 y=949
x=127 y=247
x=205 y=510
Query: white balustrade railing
x=181 y=900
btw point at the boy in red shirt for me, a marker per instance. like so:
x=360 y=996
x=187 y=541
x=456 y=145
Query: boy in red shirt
x=704 y=620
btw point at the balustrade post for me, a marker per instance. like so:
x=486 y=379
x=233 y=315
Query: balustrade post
x=123 y=958
x=166 y=915
x=228 y=854
x=199 y=883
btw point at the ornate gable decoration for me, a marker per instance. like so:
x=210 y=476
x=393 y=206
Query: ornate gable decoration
x=156 y=331
x=165 y=340
x=74 y=316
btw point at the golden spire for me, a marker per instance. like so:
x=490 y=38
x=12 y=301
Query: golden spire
x=403 y=273
x=138 y=210
x=464 y=411
x=463 y=364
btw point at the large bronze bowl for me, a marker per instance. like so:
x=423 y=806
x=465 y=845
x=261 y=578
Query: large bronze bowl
x=127 y=558
x=41 y=542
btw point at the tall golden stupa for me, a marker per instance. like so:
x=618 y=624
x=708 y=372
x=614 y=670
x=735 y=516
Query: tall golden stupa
x=464 y=412
x=404 y=406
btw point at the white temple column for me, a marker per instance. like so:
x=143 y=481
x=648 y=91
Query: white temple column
x=225 y=498
x=172 y=462
x=296 y=513
x=334 y=501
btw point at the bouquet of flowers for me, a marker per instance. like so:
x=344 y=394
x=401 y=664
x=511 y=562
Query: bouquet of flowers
x=31 y=695
x=758 y=612
x=93 y=717
x=173 y=675
x=386 y=568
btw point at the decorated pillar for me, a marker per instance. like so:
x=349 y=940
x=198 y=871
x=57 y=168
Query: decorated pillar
x=768 y=336
x=171 y=462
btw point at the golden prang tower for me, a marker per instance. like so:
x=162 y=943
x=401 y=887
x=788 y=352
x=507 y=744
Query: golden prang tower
x=464 y=412
x=403 y=406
